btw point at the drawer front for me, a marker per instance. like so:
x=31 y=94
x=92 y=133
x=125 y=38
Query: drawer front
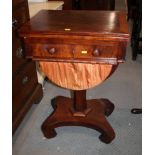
x=95 y=51
x=23 y=85
x=17 y=54
x=110 y=53
x=20 y=16
x=52 y=51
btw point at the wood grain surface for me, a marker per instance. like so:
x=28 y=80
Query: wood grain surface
x=76 y=76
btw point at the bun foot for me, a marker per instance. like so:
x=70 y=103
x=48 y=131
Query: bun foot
x=106 y=139
x=108 y=106
x=49 y=133
x=53 y=103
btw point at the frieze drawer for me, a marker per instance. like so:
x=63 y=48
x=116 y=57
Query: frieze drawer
x=52 y=51
x=95 y=51
x=17 y=54
x=74 y=53
x=23 y=86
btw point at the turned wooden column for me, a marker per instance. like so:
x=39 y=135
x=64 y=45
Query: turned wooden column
x=80 y=103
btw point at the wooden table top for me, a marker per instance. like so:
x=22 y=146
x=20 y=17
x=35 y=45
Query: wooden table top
x=81 y=23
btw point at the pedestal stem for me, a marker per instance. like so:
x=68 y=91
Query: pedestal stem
x=80 y=103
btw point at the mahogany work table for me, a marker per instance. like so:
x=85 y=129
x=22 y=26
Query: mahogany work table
x=77 y=50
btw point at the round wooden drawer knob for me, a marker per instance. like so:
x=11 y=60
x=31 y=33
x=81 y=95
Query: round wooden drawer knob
x=14 y=23
x=96 y=52
x=19 y=52
x=52 y=50
x=25 y=80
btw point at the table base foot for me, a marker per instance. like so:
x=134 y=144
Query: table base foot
x=95 y=117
